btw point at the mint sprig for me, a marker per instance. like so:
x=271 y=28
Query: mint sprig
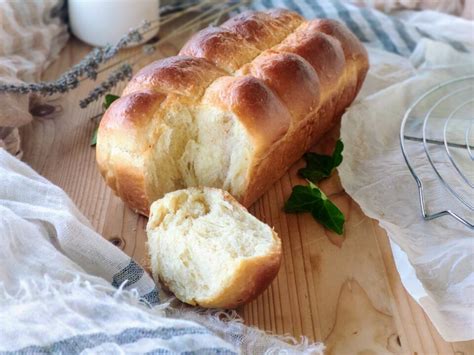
x=109 y=98
x=311 y=199
x=320 y=166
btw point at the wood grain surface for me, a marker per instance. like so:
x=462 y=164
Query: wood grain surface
x=345 y=291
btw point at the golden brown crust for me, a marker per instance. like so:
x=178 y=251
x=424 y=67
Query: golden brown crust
x=120 y=151
x=341 y=68
x=250 y=279
x=263 y=29
x=291 y=81
x=281 y=157
x=289 y=76
x=260 y=111
x=241 y=38
x=181 y=75
x=352 y=47
x=226 y=49
x=133 y=110
x=323 y=52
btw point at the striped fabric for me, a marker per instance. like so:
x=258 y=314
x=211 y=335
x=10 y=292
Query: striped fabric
x=132 y=276
x=372 y=27
x=80 y=343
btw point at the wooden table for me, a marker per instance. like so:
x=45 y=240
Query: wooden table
x=343 y=291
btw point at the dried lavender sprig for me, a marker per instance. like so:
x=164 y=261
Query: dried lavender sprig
x=133 y=36
x=173 y=8
x=86 y=67
x=123 y=73
x=148 y=49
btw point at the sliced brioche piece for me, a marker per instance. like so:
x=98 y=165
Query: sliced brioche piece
x=209 y=250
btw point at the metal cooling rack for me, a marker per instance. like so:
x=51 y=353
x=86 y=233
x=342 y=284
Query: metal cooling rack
x=440 y=122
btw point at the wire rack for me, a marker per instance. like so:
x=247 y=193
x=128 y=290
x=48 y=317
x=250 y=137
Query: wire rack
x=437 y=142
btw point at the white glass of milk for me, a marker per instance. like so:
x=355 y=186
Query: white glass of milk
x=101 y=22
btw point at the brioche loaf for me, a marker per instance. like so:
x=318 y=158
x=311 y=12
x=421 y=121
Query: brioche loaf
x=208 y=250
x=234 y=110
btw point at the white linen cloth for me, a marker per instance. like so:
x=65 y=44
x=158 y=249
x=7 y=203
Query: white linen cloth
x=435 y=259
x=462 y=8
x=57 y=293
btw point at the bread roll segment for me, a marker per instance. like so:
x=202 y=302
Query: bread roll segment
x=241 y=38
x=237 y=107
x=208 y=250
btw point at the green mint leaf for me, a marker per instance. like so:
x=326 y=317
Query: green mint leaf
x=302 y=199
x=337 y=154
x=320 y=166
x=312 y=200
x=109 y=98
x=94 y=136
x=329 y=215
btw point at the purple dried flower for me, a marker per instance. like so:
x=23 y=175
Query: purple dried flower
x=86 y=68
x=149 y=49
x=123 y=73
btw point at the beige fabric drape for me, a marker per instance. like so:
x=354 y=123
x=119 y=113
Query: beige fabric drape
x=31 y=36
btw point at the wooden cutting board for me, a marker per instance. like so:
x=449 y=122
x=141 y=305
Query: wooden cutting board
x=343 y=291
